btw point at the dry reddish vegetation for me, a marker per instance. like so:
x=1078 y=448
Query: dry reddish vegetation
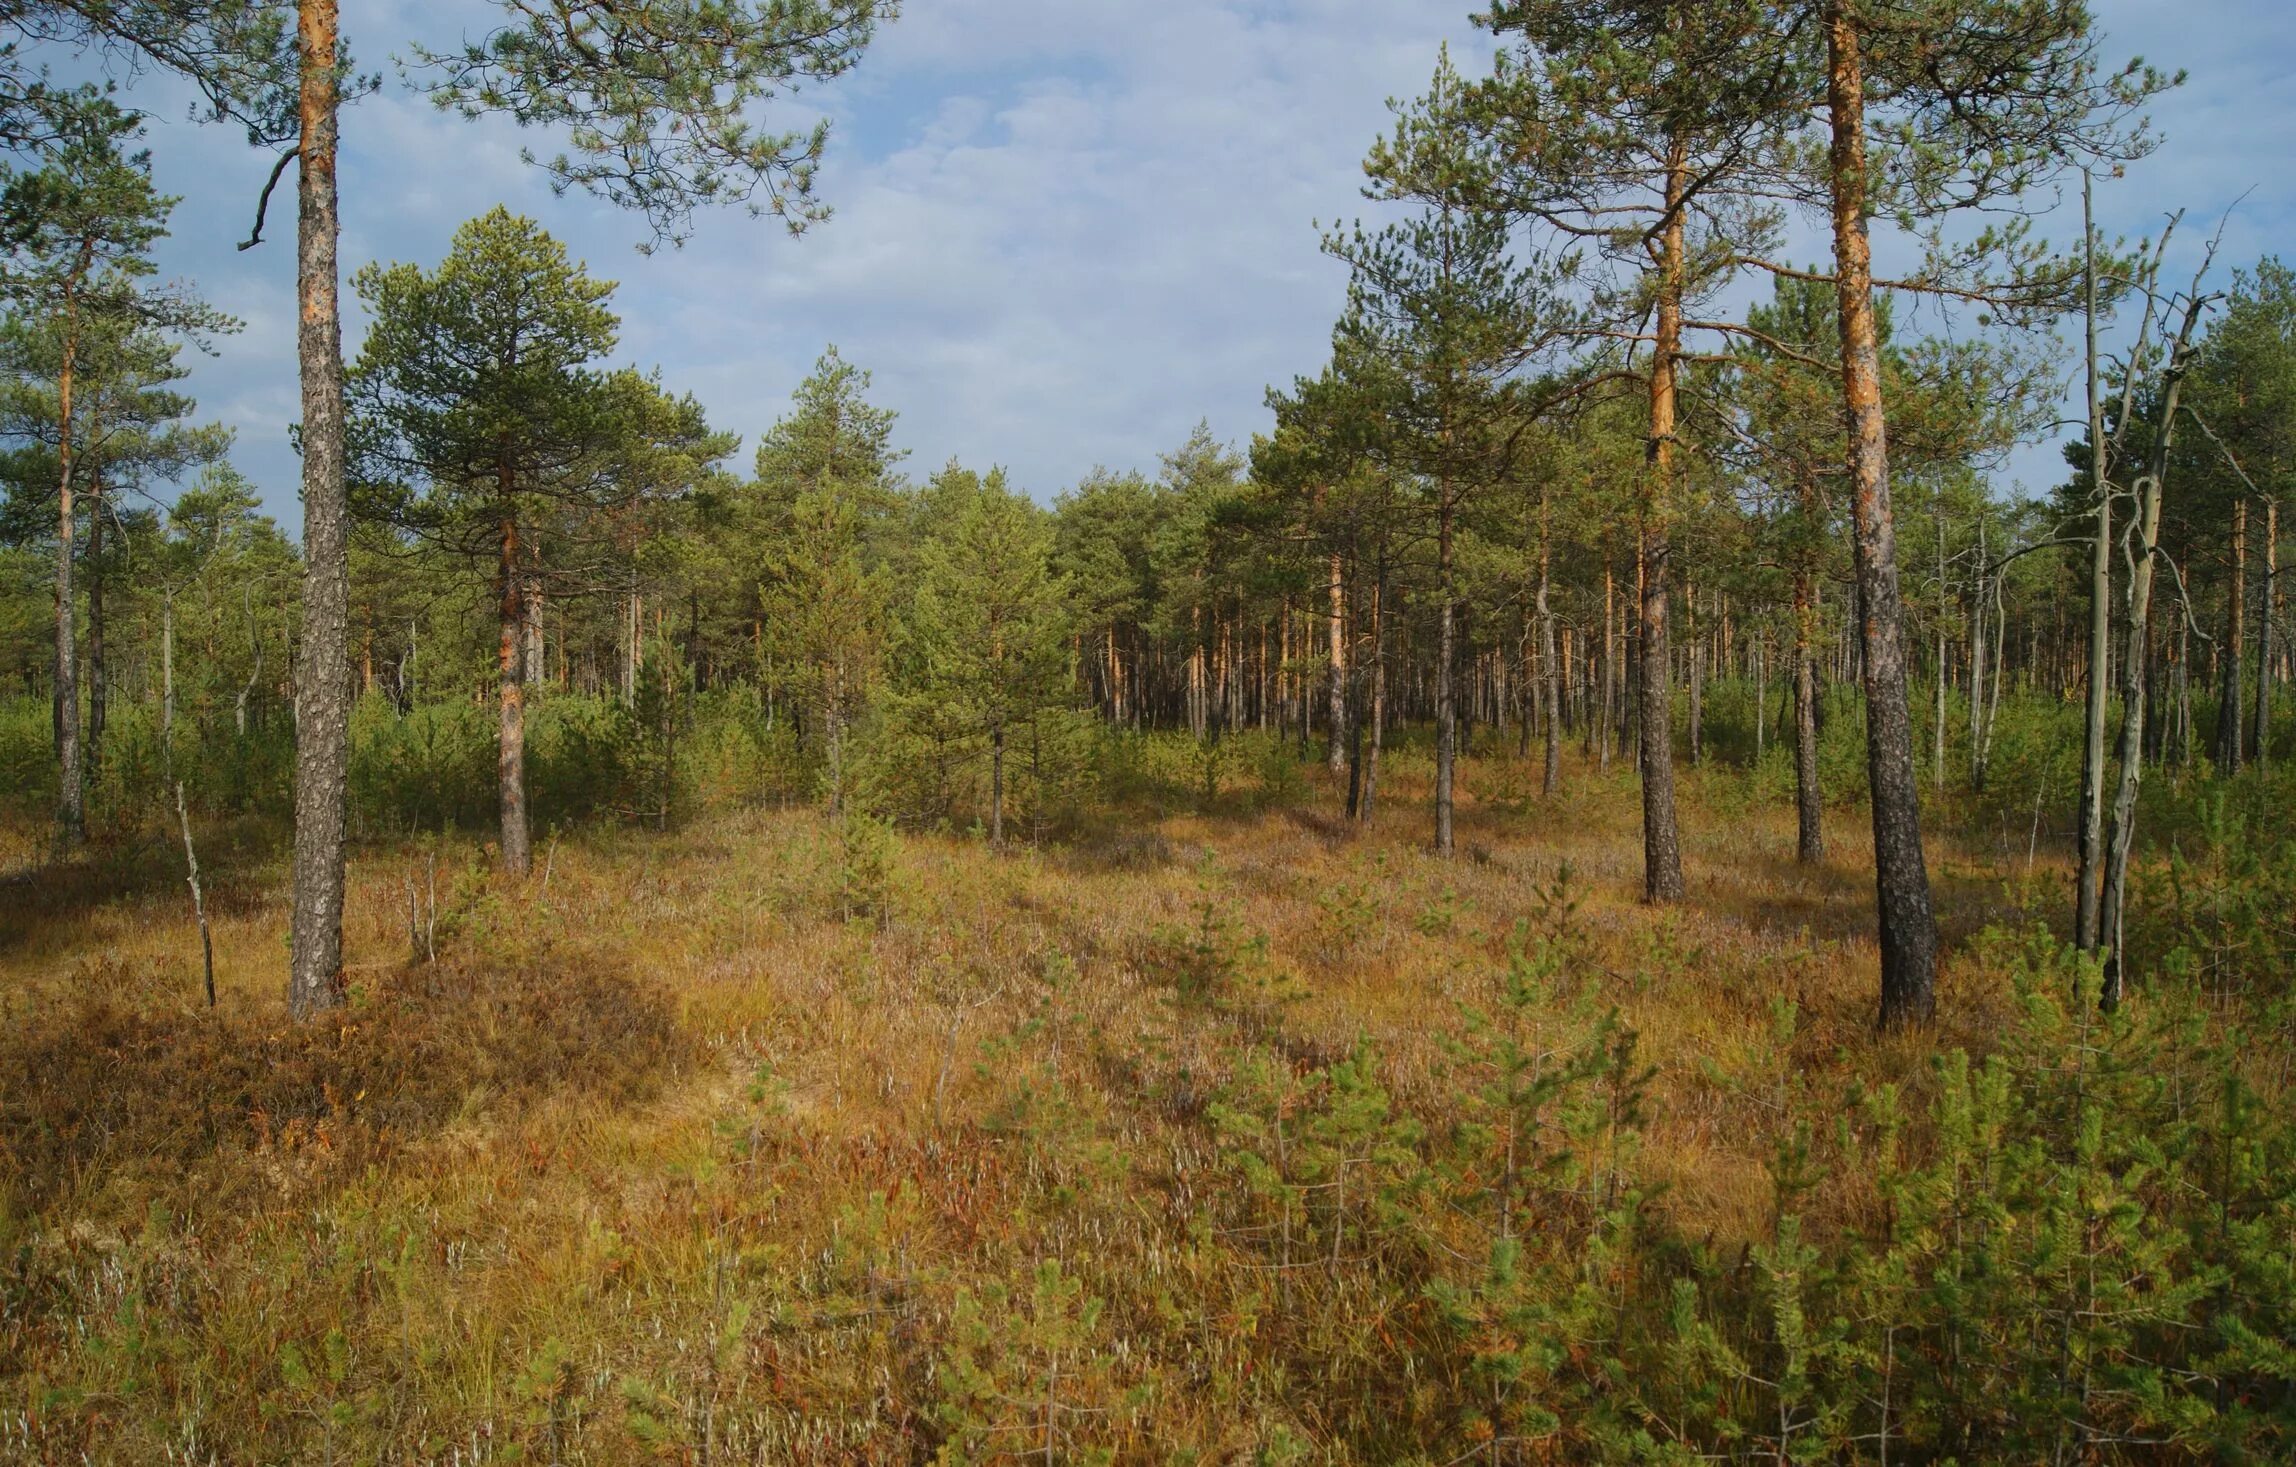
x=773 y=1141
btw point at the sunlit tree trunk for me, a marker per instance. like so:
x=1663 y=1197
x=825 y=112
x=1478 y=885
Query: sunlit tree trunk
x=322 y=681
x=1661 y=840
x=510 y=759
x=1908 y=924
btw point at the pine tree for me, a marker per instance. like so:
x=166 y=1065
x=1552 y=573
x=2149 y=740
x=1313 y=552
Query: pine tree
x=1452 y=319
x=1931 y=109
x=656 y=96
x=990 y=624
x=826 y=493
x=484 y=427
x=78 y=259
x=1644 y=132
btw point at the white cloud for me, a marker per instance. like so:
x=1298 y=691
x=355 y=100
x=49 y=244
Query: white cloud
x=1066 y=229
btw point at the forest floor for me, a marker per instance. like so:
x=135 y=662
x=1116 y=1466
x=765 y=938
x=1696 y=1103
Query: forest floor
x=696 y=1145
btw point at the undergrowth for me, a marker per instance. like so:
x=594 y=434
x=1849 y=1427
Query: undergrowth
x=1238 y=1137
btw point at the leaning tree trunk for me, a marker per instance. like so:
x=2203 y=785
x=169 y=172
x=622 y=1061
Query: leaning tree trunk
x=323 y=676
x=71 y=806
x=1661 y=839
x=1908 y=923
x=510 y=750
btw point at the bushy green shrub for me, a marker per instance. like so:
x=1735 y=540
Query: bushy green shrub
x=2086 y=1258
x=2216 y=912
x=28 y=755
x=424 y=769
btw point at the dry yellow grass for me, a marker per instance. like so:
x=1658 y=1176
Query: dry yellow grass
x=661 y=1159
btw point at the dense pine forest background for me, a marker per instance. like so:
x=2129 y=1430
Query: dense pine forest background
x=1602 y=889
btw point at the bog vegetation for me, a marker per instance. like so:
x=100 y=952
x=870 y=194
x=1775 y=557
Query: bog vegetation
x=1600 y=891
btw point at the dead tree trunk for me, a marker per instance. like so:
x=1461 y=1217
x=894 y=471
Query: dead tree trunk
x=2122 y=835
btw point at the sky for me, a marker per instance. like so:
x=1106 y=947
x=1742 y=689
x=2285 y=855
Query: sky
x=1065 y=231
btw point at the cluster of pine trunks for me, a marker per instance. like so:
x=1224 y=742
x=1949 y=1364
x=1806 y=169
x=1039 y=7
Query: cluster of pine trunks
x=1272 y=669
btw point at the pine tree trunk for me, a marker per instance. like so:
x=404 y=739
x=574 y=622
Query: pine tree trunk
x=99 y=690
x=2181 y=741
x=633 y=630
x=2259 y=735
x=535 y=654
x=167 y=682
x=1697 y=679
x=1378 y=696
x=1908 y=923
x=1809 y=798
x=1606 y=736
x=1446 y=693
x=1661 y=840
x=71 y=809
x=2088 y=880
x=510 y=759
x=1335 y=692
x=322 y=682
x=2231 y=751
x=996 y=787
x=1550 y=671
x=1978 y=632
